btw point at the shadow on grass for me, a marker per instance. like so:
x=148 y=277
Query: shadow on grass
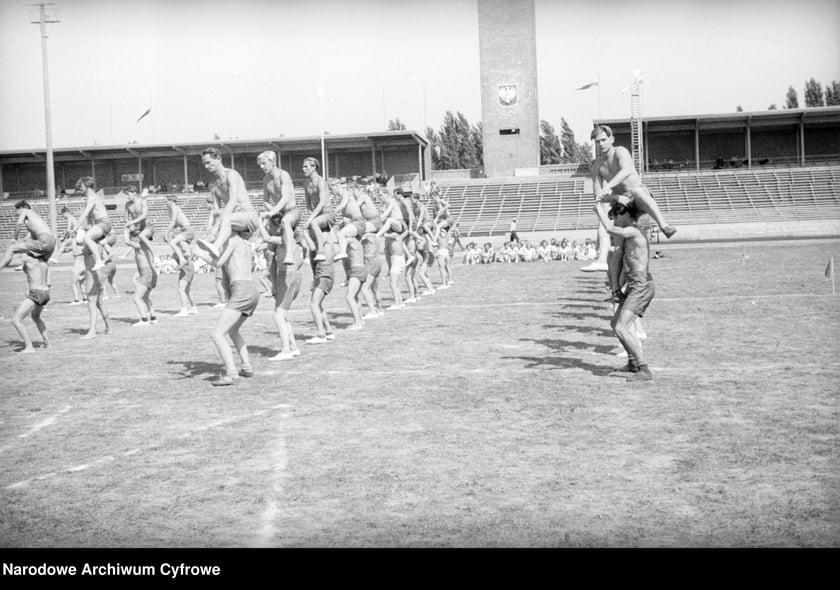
x=193 y=369
x=596 y=330
x=579 y=315
x=561 y=360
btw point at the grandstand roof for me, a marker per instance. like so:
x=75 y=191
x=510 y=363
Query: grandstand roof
x=810 y=116
x=282 y=144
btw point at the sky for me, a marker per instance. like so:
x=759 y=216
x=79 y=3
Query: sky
x=253 y=69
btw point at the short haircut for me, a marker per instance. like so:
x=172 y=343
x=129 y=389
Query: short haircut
x=86 y=182
x=619 y=209
x=172 y=197
x=22 y=204
x=268 y=155
x=212 y=152
x=314 y=161
x=130 y=189
x=598 y=129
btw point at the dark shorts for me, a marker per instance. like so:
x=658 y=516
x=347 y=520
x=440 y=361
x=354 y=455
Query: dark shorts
x=374 y=267
x=110 y=270
x=104 y=225
x=360 y=225
x=244 y=221
x=148 y=277
x=640 y=292
x=244 y=297
x=39 y=296
x=357 y=272
x=323 y=283
x=397 y=226
x=287 y=288
x=41 y=246
x=187 y=272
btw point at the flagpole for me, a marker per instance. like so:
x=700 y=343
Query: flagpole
x=598 y=78
x=152 y=114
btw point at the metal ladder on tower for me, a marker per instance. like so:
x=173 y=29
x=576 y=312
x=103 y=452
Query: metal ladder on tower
x=636 y=128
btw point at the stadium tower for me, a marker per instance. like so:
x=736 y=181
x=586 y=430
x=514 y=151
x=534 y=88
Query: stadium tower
x=509 y=105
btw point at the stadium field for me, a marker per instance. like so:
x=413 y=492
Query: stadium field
x=482 y=416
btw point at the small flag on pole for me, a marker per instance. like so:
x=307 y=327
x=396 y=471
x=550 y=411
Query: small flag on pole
x=588 y=85
x=148 y=111
x=829 y=273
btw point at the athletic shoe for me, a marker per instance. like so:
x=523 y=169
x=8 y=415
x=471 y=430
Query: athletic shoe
x=219 y=305
x=182 y=314
x=296 y=352
x=75 y=303
x=153 y=321
x=319 y=258
x=370 y=316
x=246 y=372
x=393 y=307
x=224 y=380
x=643 y=374
x=428 y=292
x=340 y=257
x=380 y=313
x=282 y=356
x=330 y=336
x=628 y=368
x=140 y=324
x=98 y=265
x=595 y=267
x=316 y=340
x=410 y=300
x=193 y=310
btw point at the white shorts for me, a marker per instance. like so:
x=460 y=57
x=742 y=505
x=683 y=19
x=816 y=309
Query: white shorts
x=443 y=253
x=397 y=264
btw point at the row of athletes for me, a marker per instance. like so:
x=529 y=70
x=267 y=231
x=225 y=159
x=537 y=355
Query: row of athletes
x=139 y=236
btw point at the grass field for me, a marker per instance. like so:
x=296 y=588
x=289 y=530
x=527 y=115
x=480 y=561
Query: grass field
x=482 y=416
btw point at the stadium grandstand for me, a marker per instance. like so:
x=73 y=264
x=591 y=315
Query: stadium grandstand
x=782 y=172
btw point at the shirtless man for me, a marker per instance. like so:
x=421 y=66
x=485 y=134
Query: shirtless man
x=95 y=291
x=373 y=268
x=179 y=241
x=109 y=271
x=37 y=297
x=236 y=213
x=211 y=230
x=321 y=214
x=640 y=287
x=39 y=242
x=68 y=237
x=442 y=216
x=244 y=298
x=348 y=209
x=138 y=226
x=94 y=217
x=356 y=270
x=615 y=178
x=443 y=259
x=287 y=282
x=279 y=199
x=145 y=282
x=323 y=278
x=395 y=220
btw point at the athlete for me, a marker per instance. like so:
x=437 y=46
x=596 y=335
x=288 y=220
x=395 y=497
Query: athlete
x=279 y=199
x=640 y=291
x=94 y=217
x=179 y=234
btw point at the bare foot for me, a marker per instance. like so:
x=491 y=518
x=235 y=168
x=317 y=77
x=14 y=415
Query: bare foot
x=46 y=342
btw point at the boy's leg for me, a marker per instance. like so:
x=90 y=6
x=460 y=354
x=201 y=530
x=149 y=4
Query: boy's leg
x=39 y=323
x=241 y=348
x=227 y=321
x=647 y=203
x=23 y=310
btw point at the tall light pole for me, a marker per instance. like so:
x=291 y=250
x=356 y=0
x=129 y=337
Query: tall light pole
x=43 y=20
x=324 y=167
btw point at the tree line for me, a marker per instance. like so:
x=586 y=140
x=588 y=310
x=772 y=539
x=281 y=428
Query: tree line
x=457 y=144
x=815 y=96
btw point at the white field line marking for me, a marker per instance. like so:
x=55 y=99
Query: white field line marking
x=45 y=423
x=280 y=460
x=110 y=458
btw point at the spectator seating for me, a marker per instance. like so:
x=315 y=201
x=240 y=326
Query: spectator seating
x=487 y=207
